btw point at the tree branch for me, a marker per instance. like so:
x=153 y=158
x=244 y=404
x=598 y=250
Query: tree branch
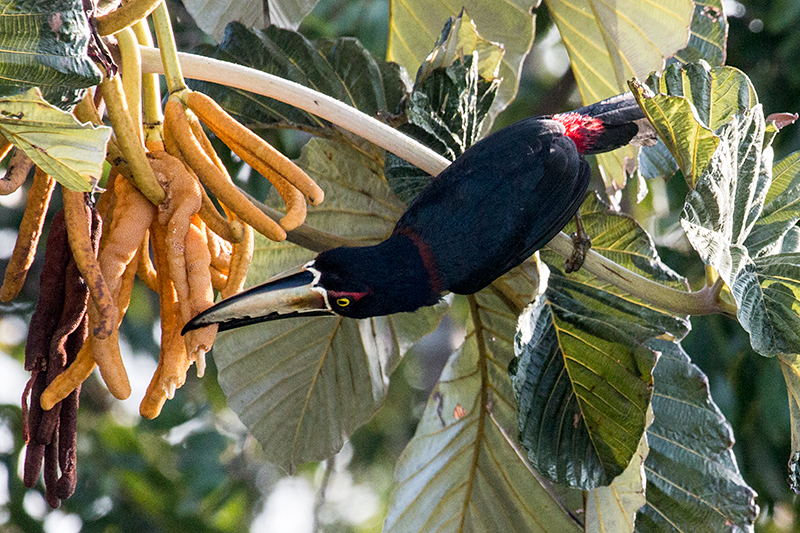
x=702 y=302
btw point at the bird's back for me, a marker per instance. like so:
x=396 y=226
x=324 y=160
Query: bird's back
x=503 y=199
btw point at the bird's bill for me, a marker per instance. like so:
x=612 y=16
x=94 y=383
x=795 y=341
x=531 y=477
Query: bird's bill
x=290 y=294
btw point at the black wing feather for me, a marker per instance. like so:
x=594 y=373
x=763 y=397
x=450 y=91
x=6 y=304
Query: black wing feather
x=502 y=200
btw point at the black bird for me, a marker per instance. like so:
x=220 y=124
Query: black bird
x=500 y=201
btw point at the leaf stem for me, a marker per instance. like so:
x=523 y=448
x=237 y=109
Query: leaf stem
x=706 y=301
x=152 y=114
x=702 y=302
x=168 y=51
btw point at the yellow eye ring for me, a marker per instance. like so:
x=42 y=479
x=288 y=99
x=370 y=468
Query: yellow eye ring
x=342 y=302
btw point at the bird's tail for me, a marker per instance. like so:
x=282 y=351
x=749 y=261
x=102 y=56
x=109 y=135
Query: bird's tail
x=623 y=123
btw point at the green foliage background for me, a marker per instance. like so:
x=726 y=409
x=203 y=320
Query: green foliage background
x=209 y=475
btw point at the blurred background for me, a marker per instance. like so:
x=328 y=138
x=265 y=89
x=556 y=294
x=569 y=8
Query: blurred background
x=196 y=469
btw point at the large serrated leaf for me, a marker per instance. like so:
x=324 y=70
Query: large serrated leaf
x=714 y=95
x=722 y=209
x=44 y=44
x=415 y=25
x=445 y=110
x=71 y=152
x=341 y=68
x=781 y=208
x=708 y=35
x=676 y=122
x=583 y=379
x=691 y=451
x=613 y=508
x=610 y=43
x=302 y=386
x=768 y=294
x=790 y=366
x=463 y=470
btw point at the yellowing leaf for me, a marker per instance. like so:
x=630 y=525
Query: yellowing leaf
x=610 y=43
x=687 y=138
x=67 y=150
x=613 y=508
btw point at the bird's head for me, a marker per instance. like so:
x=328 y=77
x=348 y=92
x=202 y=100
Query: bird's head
x=352 y=282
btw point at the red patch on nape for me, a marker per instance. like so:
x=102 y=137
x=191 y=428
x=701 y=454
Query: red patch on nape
x=583 y=130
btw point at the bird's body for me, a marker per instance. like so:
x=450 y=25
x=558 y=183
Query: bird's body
x=500 y=201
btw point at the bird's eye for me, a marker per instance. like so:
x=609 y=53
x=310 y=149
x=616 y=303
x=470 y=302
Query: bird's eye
x=342 y=302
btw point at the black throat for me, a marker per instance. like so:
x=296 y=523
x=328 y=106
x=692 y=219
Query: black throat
x=392 y=273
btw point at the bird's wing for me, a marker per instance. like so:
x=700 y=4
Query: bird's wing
x=498 y=203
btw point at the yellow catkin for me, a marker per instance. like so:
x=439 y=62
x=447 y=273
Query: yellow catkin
x=175 y=121
x=19 y=166
x=201 y=293
x=69 y=380
x=240 y=263
x=228 y=129
x=77 y=216
x=173 y=360
x=182 y=203
x=146 y=271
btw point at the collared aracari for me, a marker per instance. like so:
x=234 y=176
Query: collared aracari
x=504 y=198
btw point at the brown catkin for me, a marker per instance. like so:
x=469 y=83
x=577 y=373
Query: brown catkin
x=30 y=229
x=51 y=295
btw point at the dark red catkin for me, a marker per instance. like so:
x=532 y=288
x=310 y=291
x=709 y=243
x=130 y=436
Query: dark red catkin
x=76 y=297
x=68 y=422
x=51 y=475
x=67 y=446
x=35 y=451
x=51 y=295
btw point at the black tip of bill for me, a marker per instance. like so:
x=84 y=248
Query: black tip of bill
x=292 y=294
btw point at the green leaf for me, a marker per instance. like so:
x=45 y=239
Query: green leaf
x=463 y=470
x=415 y=26
x=718 y=218
x=714 y=95
x=302 y=386
x=213 y=16
x=693 y=481
x=613 y=508
x=446 y=111
x=680 y=129
x=44 y=44
x=781 y=208
x=767 y=292
x=717 y=93
x=790 y=242
x=610 y=43
x=790 y=366
x=71 y=152
x=582 y=410
x=341 y=68
x=707 y=36
x=722 y=209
